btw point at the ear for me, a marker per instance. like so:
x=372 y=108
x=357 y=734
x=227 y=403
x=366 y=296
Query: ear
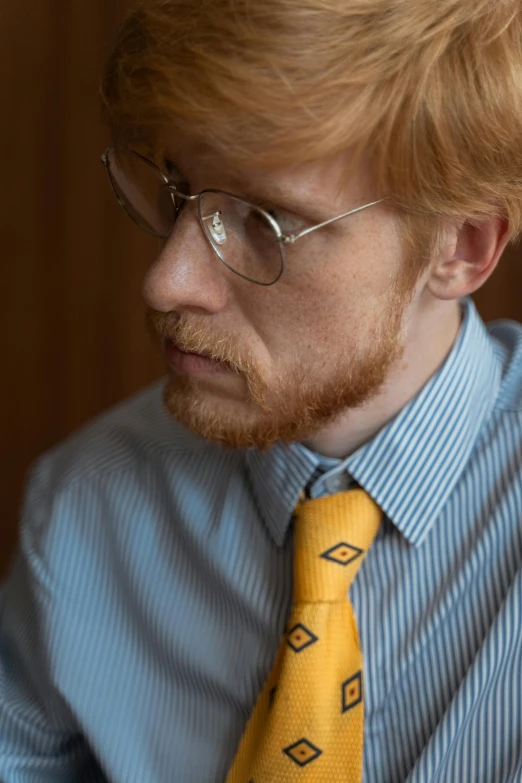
x=469 y=257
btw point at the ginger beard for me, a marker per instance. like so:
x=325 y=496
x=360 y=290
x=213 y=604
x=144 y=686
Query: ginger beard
x=302 y=399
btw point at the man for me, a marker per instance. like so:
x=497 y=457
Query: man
x=298 y=557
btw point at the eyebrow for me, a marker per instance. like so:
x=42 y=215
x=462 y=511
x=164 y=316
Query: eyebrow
x=277 y=196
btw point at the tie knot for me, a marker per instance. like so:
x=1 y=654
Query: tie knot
x=331 y=538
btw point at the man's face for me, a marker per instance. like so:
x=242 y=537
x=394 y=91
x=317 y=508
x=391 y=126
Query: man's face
x=319 y=342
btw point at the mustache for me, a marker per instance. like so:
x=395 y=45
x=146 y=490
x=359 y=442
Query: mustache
x=188 y=333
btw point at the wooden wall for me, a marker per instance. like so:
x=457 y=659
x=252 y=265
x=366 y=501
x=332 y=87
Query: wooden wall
x=72 y=315
x=72 y=319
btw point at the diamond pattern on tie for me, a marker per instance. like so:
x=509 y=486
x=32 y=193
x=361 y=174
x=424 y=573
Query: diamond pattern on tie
x=300 y=637
x=302 y=752
x=343 y=553
x=351 y=692
x=313 y=729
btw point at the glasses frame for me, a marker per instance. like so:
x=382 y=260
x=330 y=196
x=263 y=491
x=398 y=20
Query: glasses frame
x=281 y=237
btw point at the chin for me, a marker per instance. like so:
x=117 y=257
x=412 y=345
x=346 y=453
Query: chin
x=234 y=421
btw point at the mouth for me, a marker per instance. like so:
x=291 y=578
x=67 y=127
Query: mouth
x=188 y=353
x=191 y=363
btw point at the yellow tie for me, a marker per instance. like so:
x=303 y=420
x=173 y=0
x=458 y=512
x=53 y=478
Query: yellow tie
x=308 y=722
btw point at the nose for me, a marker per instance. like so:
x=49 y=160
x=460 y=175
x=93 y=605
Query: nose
x=187 y=275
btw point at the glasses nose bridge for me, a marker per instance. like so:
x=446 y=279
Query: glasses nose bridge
x=196 y=197
x=175 y=193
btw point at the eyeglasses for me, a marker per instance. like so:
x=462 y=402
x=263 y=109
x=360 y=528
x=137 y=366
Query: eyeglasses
x=247 y=238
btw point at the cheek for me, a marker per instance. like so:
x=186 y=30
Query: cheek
x=325 y=302
x=304 y=327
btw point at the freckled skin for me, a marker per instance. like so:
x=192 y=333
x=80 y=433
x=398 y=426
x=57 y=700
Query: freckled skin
x=336 y=347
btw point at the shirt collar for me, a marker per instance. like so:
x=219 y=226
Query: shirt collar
x=278 y=477
x=412 y=465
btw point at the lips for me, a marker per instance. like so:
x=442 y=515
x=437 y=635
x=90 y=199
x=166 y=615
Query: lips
x=191 y=363
x=188 y=353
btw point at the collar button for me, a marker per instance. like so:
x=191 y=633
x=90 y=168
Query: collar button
x=337 y=483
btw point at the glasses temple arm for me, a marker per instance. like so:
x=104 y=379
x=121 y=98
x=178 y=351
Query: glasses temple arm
x=291 y=238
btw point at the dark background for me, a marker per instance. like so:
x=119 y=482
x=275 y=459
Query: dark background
x=75 y=342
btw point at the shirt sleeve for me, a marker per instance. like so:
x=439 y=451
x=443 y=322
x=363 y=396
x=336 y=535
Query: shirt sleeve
x=40 y=741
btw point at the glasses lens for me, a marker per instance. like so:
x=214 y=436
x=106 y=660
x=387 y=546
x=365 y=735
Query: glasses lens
x=242 y=237
x=142 y=192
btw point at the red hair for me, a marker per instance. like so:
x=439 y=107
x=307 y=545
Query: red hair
x=431 y=90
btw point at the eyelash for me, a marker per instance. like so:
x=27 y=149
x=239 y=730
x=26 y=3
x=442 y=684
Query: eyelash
x=277 y=214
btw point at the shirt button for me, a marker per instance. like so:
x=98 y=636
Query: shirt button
x=337 y=483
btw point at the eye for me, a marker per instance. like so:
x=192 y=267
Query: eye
x=279 y=216
x=287 y=221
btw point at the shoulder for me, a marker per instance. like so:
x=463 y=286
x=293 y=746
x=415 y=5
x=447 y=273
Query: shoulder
x=135 y=430
x=125 y=469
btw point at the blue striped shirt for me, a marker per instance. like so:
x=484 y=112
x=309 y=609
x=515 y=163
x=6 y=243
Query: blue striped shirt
x=146 y=603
